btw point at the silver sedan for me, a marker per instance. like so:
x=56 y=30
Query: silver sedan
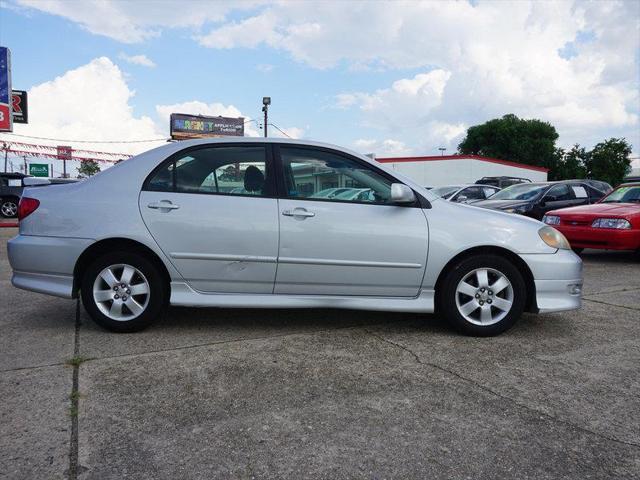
x=238 y=223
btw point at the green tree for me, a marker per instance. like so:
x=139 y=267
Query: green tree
x=609 y=161
x=88 y=168
x=571 y=164
x=532 y=142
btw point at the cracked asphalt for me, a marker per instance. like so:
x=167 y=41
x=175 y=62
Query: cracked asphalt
x=322 y=394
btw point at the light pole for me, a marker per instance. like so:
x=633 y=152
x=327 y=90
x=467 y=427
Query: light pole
x=266 y=101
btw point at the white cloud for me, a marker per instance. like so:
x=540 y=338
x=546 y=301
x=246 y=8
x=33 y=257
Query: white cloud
x=89 y=102
x=137 y=21
x=494 y=57
x=265 y=67
x=141 y=60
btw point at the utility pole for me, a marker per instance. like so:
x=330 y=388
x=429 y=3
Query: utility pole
x=266 y=101
x=24 y=157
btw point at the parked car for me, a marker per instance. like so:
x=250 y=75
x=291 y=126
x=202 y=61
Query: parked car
x=10 y=191
x=535 y=199
x=11 y=186
x=465 y=193
x=502 y=182
x=612 y=224
x=152 y=231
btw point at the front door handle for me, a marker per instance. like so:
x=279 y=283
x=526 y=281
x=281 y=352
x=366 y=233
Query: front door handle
x=298 y=212
x=163 y=205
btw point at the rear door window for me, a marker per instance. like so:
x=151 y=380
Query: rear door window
x=236 y=170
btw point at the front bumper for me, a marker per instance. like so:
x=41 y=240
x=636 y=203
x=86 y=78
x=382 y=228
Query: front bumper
x=558 y=280
x=45 y=264
x=602 y=238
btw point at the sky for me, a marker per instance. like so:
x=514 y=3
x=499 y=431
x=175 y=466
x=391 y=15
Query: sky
x=393 y=78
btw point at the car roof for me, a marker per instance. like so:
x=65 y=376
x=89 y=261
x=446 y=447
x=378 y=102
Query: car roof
x=629 y=184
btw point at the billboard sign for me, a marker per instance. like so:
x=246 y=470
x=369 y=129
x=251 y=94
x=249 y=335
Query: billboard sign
x=185 y=126
x=6 y=120
x=19 y=106
x=64 y=152
x=39 y=169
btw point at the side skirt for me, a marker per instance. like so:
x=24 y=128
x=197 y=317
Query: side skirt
x=185 y=296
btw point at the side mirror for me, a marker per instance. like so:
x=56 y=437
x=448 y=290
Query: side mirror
x=400 y=193
x=461 y=198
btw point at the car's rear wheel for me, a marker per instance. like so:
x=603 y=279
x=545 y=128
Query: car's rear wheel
x=482 y=295
x=9 y=208
x=123 y=292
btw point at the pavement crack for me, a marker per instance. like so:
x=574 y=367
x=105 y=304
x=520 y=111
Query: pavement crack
x=74 y=398
x=498 y=394
x=234 y=340
x=611 y=304
x=397 y=345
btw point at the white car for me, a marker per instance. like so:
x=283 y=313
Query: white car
x=170 y=226
x=465 y=193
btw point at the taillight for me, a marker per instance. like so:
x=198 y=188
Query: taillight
x=27 y=206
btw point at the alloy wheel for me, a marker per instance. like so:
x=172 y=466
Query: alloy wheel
x=484 y=296
x=121 y=292
x=9 y=209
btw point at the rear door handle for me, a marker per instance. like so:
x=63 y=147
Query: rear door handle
x=298 y=212
x=163 y=205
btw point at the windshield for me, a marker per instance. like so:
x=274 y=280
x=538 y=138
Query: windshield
x=445 y=191
x=630 y=194
x=521 y=191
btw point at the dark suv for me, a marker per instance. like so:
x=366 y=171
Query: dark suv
x=502 y=182
x=11 y=186
x=535 y=199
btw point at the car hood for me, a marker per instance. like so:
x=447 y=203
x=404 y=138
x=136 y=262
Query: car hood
x=625 y=210
x=499 y=204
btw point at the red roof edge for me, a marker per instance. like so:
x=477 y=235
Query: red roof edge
x=461 y=157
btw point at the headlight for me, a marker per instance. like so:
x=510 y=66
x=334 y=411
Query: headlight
x=553 y=238
x=518 y=209
x=551 y=219
x=619 y=223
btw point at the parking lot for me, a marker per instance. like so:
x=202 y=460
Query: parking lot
x=322 y=393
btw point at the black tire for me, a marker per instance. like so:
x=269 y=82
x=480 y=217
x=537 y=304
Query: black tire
x=447 y=295
x=577 y=250
x=9 y=205
x=157 y=296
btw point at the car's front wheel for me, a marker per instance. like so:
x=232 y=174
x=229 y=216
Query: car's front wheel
x=123 y=292
x=482 y=295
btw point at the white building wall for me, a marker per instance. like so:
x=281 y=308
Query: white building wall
x=435 y=173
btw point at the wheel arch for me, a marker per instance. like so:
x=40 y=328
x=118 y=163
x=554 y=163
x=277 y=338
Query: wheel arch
x=107 y=245
x=521 y=265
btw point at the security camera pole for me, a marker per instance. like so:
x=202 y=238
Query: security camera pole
x=266 y=101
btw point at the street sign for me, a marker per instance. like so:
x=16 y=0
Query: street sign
x=39 y=169
x=185 y=126
x=19 y=106
x=64 y=152
x=6 y=120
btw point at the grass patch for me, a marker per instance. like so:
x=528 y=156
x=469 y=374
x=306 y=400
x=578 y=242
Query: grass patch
x=77 y=361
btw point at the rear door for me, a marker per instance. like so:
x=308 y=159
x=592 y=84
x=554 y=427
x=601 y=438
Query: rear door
x=350 y=244
x=213 y=212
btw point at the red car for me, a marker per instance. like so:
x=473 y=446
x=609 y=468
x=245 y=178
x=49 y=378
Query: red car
x=611 y=224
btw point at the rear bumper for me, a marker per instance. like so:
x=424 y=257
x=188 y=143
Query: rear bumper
x=603 y=238
x=558 y=280
x=45 y=264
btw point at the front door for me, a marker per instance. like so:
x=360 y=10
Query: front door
x=213 y=212
x=351 y=241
